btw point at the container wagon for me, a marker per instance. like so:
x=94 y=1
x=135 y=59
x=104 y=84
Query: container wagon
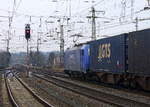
x=108 y=58
x=139 y=58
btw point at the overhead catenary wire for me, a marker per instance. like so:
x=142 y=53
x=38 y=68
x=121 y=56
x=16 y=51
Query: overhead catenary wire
x=17 y=7
x=81 y=15
x=85 y=9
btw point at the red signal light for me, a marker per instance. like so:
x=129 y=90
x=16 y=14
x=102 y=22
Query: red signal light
x=27 y=31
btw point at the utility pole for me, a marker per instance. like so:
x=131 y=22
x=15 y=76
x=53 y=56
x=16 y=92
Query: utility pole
x=132 y=9
x=61 y=41
x=9 y=29
x=61 y=44
x=93 y=37
x=123 y=10
x=39 y=35
x=38 y=40
x=70 y=9
x=148 y=2
x=93 y=24
x=93 y=17
x=136 y=23
x=37 y=63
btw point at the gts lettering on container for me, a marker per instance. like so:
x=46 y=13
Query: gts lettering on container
x=104 y=51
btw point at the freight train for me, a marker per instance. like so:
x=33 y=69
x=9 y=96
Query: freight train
x=122 y=60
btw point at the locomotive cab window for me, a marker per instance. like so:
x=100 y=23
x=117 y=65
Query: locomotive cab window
x=82 y=52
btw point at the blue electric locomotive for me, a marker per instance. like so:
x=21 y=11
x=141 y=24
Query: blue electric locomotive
x=76 y=60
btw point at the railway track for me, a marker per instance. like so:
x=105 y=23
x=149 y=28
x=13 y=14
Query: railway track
x=51 y=73
x=93 y=94
x=95 y=82
x=20 y=95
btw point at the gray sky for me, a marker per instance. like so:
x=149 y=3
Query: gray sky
x=117 y=19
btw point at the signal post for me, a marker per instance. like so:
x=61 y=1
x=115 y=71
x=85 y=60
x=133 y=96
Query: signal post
x=27 y=36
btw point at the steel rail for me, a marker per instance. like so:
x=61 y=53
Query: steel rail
x=92 y=93
x=10 y=95
x=38 y=98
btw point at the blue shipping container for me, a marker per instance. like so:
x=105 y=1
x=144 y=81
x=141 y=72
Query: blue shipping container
x=109 y=54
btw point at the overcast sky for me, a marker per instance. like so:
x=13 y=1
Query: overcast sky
x=119 y=17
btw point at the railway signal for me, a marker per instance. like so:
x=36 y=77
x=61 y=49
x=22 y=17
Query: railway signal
x=27 y=31
x=27 y=36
